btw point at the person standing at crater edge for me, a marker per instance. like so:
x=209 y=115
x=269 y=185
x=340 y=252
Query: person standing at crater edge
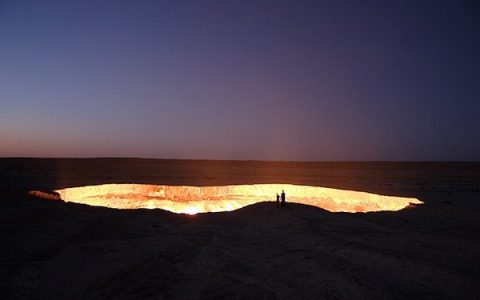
x=278 y=200
x=283 y=198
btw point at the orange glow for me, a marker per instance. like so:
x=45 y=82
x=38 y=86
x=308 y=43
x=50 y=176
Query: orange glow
x=193 y=200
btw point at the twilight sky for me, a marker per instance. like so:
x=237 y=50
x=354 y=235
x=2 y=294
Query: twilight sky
x=276 y=80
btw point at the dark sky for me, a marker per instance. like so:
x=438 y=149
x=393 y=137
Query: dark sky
x=279 y=80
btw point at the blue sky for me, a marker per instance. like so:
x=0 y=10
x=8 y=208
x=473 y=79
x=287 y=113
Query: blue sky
x=275 y=80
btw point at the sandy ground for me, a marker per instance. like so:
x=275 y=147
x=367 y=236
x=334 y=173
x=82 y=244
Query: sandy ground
x=56 y=250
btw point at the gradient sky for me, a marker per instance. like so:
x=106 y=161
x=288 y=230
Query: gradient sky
x=275 y=80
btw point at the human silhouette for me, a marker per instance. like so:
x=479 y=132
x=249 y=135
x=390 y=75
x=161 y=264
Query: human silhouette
x=283 y=198
x=278 y=199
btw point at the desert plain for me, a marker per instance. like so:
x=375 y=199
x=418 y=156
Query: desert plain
x=51 y=249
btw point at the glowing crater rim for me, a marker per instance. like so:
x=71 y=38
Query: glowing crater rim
x=202 y=199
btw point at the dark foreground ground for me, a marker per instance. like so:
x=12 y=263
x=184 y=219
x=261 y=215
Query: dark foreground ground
x=54 y=250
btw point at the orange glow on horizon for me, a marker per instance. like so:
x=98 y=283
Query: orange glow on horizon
x=192 y=200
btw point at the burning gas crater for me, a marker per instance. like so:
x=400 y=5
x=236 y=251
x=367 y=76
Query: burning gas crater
x=192 y=199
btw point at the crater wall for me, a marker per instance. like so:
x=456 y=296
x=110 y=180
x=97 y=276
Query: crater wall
x=192 y=199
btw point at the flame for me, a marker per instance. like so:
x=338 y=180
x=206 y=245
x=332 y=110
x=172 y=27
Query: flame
x=192 y=200
x=191 y=210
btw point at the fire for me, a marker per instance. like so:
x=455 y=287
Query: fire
x=191 y=210
x=192 y=200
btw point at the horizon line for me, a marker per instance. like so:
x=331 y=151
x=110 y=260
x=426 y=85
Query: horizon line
x=243 y=160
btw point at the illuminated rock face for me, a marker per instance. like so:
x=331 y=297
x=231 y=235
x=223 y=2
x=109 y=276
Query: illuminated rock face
x=192 y=200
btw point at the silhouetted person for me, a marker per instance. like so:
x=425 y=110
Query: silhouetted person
x=283 y=198
x=278 y=199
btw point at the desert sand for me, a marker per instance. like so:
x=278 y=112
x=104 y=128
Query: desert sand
x=56 y=250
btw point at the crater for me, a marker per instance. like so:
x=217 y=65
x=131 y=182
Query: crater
x=195 y=199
